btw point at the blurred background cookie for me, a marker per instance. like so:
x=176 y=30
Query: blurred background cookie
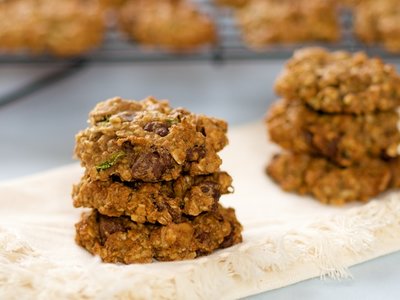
x=232 y=3
x=63 y=28
x=379 y=22
x=263 y=22
x=174 y=25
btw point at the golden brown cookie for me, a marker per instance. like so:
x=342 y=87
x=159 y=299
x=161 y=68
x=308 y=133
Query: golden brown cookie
x=379 y=22
x=173 y=25
x=161 y=202
x=150 y=141
x=327 y=182
x=345 y=139
x=120 y=240
x=264 y=22
x=232 y=3
x=63 y=28
x=339 y=82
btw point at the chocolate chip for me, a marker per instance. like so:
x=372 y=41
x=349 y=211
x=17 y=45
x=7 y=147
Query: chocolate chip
x=160 y=206
x=332 y=147
x=203 y=131
x=228 y=240
x=196 y=153
x=211 y=189
x=151 y=165
x=205 y=189
x=202 y=237
x=308 y=136
x=157 y=127
x=109 y=225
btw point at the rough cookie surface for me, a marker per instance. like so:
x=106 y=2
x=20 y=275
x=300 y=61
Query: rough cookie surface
x=148 y=140
x=342 y=138
x=170 y=24
x=162 y=202
x=63 y=28
x=120 y=240
x=339 y=82
x=378 y=22
x=263 y=22
x=327 y=182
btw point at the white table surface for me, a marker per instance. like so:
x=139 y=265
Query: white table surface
x=37 y=133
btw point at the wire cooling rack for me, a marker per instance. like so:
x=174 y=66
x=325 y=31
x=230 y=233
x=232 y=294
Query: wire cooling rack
x=116 y=48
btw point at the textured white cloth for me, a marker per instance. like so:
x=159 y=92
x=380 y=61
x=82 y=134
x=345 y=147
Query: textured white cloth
x=287 y=238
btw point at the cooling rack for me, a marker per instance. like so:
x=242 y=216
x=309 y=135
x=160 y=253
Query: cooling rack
x=116 y=48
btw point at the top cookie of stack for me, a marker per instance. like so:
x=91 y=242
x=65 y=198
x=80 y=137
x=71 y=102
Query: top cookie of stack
x=338 y=119
x=149 y=141
x=340 y=82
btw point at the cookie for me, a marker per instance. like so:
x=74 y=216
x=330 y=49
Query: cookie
x=345 y=139
x=339 y=82
x=232 y=3
x=173 y=25
x=161 y=202
x=327 y=182
x=263 y=22
x=120 y=240
x=62 y=28
x=379 y=22
x=149 y=141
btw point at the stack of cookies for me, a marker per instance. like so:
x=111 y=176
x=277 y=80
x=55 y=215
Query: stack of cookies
x=153 y=183
x=338 y=119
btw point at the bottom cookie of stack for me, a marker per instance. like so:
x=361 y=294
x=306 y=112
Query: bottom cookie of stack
x=121 y=240
x=330 y=183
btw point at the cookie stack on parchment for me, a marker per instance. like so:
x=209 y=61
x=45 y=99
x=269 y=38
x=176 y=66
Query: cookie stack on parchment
x=338 y=121
x=153 y=182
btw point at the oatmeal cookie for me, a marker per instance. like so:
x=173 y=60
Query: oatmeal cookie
x=120 y=240
x=351 y=3
x=339 y=82
x=327 y=182
x=161 y=202
x=63 y=28
x=379 y=22
x=232 y=3
x=173 y=25
x=263 y=22
x=148 y=140
x=342 y=138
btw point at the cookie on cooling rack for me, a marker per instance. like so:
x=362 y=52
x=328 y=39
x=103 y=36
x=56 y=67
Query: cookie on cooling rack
x=378 y=22
x=62 y=28
x=173 y=25
x=232 y=3
x=264 y=22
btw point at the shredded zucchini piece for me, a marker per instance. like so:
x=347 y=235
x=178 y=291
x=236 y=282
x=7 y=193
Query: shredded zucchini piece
x=112 y=161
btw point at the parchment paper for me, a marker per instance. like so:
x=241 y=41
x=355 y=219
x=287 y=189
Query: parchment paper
x=287 y=238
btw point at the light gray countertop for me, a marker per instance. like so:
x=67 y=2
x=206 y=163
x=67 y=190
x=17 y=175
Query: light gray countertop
x=37 y=133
